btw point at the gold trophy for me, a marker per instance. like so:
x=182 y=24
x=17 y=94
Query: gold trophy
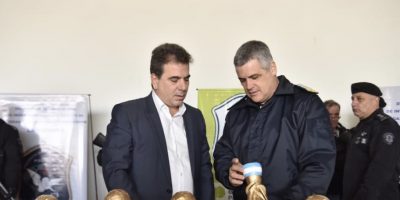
x=183 y=196
x=317 y=197
x=255 y=190
x=117 y=194
x=46 y=197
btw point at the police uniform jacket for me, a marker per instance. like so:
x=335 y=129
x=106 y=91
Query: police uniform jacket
x=10 y=158
x=370 y=169
x=290 y=135
x=342 y=139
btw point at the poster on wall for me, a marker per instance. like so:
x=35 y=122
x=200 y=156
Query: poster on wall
x=392 y=98
x=214 y=104
x=54 y=135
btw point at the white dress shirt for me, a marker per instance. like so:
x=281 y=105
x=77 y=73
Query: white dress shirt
x=178 y=152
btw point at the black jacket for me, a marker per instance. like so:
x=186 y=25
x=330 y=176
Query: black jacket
x=290 y=136
x=342 y=140
x=10 y=157
x=370 y=169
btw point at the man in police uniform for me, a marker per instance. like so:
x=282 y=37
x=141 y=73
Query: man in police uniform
x=10 y=160
x=282 y=126
x=370 y=169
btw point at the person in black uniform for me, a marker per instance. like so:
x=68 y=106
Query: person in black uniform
x=10 y=159
x=370 y=168
x=342 y=138
x=278 y=124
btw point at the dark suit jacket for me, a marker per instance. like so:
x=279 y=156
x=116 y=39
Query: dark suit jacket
x=135 y=156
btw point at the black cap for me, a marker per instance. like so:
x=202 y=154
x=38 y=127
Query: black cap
x=369 y=88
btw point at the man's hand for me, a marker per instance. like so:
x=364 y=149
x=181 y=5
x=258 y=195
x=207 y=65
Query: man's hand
x=236 y=173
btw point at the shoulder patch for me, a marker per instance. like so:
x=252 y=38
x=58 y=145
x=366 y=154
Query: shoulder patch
x=388 y=138
x=308 y=89
x=382 y=117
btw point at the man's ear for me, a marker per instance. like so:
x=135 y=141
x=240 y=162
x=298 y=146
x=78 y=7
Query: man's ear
x=273 y=68
x=154 y=81
x=377 y=100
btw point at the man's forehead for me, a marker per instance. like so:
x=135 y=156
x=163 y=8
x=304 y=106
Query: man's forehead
x=175 y=63
x=175 y=68
x=178 y=76
x=250 y=72
x=175 y=74
x=362 y=94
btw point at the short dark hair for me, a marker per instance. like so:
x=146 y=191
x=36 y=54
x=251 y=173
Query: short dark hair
x=329 y=103
x=253 y=50
x=166 y=53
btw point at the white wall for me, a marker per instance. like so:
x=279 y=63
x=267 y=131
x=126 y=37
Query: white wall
x=103 y=47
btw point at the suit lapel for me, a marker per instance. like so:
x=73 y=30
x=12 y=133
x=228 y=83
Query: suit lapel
x=155 y=122
x=190 y=134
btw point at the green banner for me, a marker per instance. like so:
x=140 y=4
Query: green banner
x=214 y=104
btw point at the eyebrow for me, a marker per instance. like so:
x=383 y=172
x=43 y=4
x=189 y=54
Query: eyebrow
x=251 y=76
x=178 y=77
x=255 y=76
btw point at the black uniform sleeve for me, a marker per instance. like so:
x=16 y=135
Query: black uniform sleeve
x=384 y=151
x=317 y=152
x=12 y=159
x=223 y=155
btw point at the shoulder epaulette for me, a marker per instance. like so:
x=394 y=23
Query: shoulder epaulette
x=308 y=89
x=382 y=117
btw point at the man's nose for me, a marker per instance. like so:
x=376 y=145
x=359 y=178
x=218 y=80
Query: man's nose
x=353 y=103
x=182 y=84
x=249 y=84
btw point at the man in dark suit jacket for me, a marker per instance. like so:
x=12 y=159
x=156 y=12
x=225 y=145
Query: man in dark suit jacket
x=156 y=146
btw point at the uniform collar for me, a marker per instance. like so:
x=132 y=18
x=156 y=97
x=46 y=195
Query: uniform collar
x=373 y=115
x=285 y=87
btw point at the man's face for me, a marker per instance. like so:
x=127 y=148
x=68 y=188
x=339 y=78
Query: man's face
x=334 y=115
x=258 y=83
x=173 y=85
x=364 y=104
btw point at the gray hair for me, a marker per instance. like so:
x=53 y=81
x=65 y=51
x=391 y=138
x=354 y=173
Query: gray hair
x=253 y=50
x=329 y=103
